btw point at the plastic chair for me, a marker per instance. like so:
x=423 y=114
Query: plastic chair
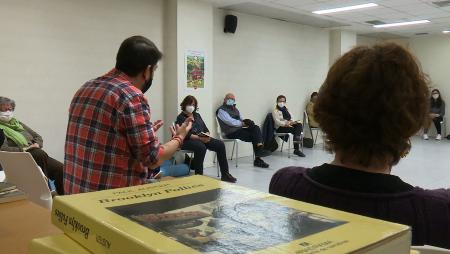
x=21 y=169
x=311 y=129
x=443 y=127
x=229 y=140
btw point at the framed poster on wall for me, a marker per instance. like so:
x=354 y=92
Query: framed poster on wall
x=195 y=69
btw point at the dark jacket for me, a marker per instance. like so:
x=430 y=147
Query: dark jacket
x=268 y=130
x=197 y=126
x=380 y=196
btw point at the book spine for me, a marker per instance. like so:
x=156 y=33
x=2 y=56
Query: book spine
x=92 y=233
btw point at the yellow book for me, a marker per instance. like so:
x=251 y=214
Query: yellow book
x=199 y=214
x=56 y=244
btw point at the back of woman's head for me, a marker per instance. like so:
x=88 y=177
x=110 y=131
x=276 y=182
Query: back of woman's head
x=373 y=100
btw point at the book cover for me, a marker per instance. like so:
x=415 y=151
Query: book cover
x=55 y=244
x=11 y=195
x=199 y=214
x=5 y=186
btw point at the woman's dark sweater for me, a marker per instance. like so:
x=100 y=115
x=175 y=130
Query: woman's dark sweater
x=380 y=196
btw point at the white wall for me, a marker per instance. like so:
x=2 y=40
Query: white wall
x=340 y=42
x=367 y=41
x=434 y=55
x=265 y=58
x=49 y=48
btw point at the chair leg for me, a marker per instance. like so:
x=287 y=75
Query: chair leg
x=301 y=141
x=232 y=151
x=190 y=161
x=217 y=166
x=237 y=152
x=282 y=144
x=315 y=140
x=289 y=145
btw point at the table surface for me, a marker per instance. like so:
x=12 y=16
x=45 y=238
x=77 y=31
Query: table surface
x=20 y=222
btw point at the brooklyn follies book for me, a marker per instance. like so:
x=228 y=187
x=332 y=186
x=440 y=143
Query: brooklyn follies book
x=199 y=214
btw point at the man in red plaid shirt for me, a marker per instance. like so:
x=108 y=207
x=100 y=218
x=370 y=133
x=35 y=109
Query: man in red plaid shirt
x=110 y=141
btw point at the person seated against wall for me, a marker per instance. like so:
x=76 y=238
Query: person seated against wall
x=199 y=140
x=437 y=112
x=310 y=111
x=234 y=126
x=21 y=138
x=284 y=123
x=386 y=92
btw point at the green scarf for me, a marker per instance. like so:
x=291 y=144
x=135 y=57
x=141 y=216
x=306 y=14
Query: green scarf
x=12 y=130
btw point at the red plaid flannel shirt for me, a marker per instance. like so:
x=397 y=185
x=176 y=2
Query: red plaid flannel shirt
x=110 y=139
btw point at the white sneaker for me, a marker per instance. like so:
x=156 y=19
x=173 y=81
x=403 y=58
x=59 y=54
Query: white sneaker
x=438 y=137
x=425 y=136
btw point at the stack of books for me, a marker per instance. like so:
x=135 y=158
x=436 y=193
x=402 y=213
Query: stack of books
x=9 y=193
x=199 y=214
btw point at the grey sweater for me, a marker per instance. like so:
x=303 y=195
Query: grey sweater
x=438 y=110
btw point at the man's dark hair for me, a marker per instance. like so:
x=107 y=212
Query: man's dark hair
x=281 y=97
x=135 y=54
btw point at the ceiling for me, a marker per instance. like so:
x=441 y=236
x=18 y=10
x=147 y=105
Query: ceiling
x=388 y=11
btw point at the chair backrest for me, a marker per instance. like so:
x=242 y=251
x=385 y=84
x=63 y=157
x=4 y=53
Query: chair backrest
x=21 y=169
x=305 y=118
x=219 y=130
x=430 y=250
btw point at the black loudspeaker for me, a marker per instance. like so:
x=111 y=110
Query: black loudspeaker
x=230 y=24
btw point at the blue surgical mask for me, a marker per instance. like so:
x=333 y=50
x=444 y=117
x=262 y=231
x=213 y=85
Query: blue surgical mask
x=230 y=102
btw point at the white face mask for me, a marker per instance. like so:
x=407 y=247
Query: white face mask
x=6 y=116
x=281 y=104
x=190 y=108
x=435 y=96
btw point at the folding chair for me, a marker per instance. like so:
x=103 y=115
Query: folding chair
x=311 y=129
x=21 y=169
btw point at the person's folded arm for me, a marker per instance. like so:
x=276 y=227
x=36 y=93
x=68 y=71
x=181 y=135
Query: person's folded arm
x=5 y=147
x=36 y=137
x=227 y=119
x=279 y=121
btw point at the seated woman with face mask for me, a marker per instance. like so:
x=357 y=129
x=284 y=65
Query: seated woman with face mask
x=197 y=142
x=284 y=123
x=21 y=138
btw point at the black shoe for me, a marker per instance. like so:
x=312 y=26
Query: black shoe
x=299 y=153
x=228 y=178
x=260 y=163
x=262 y=152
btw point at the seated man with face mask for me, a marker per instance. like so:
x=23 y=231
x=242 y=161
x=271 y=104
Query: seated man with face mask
x=234 y=126
x=198 y=140
x=284 y=123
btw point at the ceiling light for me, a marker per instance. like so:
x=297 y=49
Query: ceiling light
x=403 y=23
x=347 y=8
x=446 y=32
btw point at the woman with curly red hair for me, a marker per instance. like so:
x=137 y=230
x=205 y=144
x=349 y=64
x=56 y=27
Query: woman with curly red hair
x=373 y=100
